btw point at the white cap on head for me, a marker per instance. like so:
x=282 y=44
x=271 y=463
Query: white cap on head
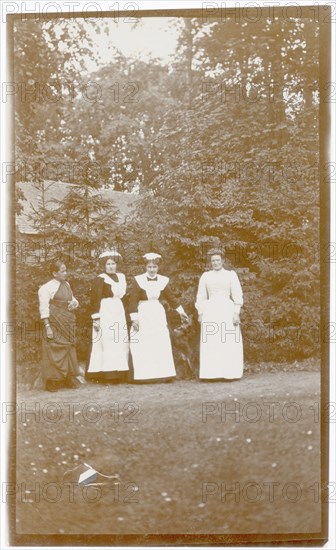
x=110 y=254
x=151 y=256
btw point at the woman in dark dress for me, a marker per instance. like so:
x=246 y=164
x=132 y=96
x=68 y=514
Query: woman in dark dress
x=110 y=342
x=150 y=340
x=56 y=304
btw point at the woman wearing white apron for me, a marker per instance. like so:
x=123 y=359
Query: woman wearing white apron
x=150 y=340
x=110 y=342
x=218 y=302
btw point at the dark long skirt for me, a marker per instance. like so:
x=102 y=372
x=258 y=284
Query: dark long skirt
x=59 y=362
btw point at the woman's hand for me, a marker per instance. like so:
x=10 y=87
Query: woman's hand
x=49 y=332
x=184 y=318
x=72 y=304
x=135 y=326
x=96 y=325
x=236 y=319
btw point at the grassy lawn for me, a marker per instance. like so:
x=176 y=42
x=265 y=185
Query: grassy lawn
x=178 y=450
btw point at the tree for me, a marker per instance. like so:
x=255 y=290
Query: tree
x=241 y=173
x=50 y=73
x=221 y=148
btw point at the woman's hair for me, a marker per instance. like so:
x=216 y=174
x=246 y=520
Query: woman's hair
x=215 y=252
x=55 y=266
x=103 y=261
x=156 y=261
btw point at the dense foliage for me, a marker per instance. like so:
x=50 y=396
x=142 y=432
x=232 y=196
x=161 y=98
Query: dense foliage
x=222 y=147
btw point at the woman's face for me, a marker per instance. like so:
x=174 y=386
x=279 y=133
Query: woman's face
x=152 y=269
x=61 y=274
x=110 y=266
x=216 y=262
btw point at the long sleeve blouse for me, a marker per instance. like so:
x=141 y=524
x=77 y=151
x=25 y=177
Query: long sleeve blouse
x=46 y=293
x=219 y=283
x=106 y=286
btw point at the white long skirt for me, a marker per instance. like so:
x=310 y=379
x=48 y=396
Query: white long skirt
x=221 y=346
x=110 y=345
x=150 y=346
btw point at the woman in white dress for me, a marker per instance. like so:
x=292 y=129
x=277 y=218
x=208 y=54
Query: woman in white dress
x=150 y=340
x=110 y=342
x=219 y=299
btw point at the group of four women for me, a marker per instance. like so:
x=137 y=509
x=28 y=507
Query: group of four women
x=219 y=299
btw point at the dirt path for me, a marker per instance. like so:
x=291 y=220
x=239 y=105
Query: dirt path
x=258 y=385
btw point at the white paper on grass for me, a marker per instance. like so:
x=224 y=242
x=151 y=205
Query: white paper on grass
x=87 y=477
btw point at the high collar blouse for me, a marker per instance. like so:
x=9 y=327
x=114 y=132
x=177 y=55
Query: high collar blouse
x=221 y=283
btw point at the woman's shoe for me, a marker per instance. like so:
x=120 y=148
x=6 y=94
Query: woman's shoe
x=72 y=383
x=52 y=385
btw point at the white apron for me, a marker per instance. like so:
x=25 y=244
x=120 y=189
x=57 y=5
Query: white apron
x=110 y=345
x=150 y=346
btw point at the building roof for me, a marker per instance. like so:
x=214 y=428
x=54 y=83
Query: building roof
x=56 y=191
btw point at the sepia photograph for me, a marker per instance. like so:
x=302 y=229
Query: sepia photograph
x=168 y=252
